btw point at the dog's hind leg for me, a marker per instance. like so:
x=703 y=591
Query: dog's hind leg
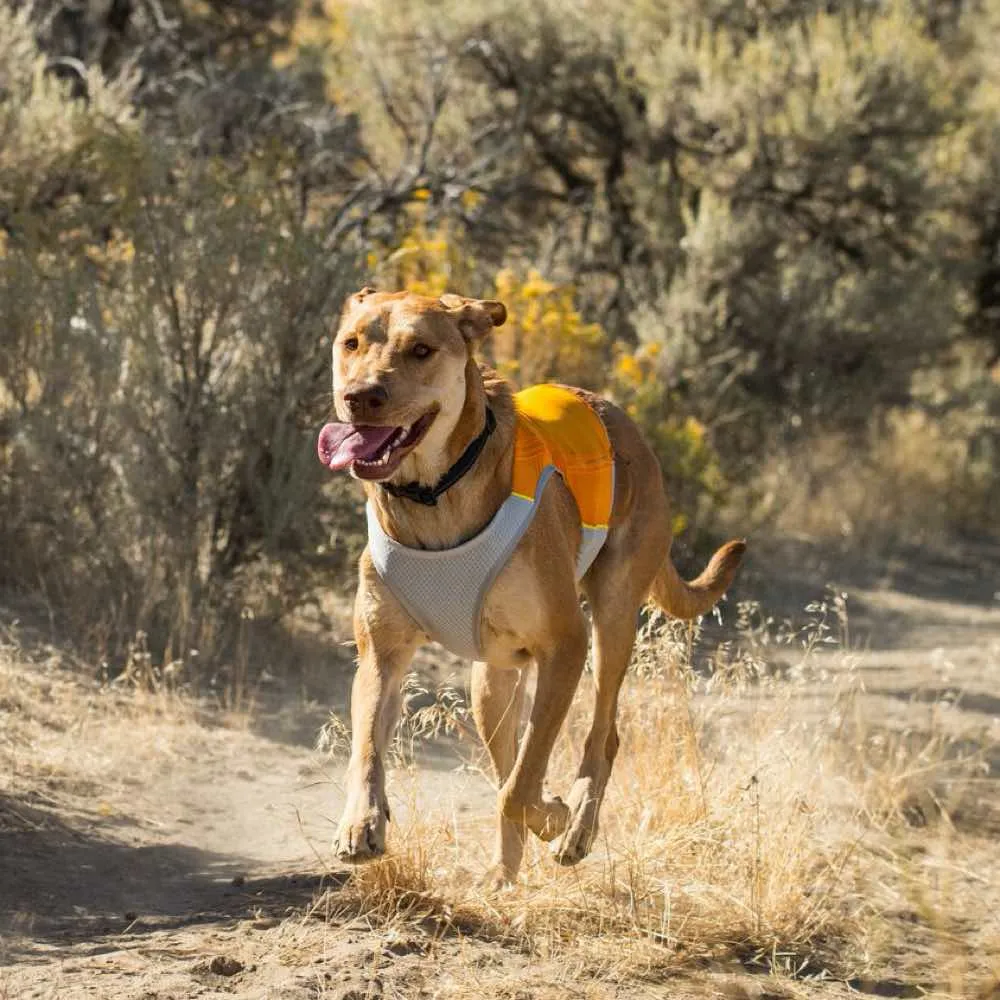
x=497 y=699
x=616 y=589
x=614 y=635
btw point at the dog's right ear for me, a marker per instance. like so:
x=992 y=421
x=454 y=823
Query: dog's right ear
x=475 y=317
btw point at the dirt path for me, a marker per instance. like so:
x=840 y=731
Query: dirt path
x=145 y=854
x=140 y=846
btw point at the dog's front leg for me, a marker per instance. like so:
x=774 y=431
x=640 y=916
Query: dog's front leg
x=497 y=697
x=386 y=637
x=559 y=664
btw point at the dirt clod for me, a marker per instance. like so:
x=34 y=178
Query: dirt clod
x=399 y=945
x=223 y=965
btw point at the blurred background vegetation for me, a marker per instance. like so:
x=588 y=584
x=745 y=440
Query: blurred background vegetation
x=769 y=228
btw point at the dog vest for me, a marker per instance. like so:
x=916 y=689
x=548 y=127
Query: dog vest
x=556 y=433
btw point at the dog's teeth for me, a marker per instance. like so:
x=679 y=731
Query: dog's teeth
x=400 y=433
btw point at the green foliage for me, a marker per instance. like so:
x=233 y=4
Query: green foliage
x=759 y=227
x=689 y=462
x=52 y=148
x=160 y=396
x=793 y=202
x=811 y=264
x=545 y=338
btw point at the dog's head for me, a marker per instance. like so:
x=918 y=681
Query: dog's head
x=399 y=378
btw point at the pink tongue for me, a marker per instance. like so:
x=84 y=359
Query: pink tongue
x=341 y=444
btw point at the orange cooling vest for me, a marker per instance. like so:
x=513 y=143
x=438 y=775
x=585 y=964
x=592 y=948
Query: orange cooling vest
x=555 y=427
x=557 y=433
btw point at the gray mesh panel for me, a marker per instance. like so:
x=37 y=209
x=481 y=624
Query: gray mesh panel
x=591 y=540
x=443 y=590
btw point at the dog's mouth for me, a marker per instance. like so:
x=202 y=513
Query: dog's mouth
x=371 y=451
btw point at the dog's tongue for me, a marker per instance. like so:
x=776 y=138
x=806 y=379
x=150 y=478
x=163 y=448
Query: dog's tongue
x=341 y=444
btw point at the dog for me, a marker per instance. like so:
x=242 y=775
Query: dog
x=438 y=442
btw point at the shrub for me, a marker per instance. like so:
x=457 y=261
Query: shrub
x=54 y=132
x=545 y=338
x=154 y=392
x=762 y=228
x=690 y=464
x=778 y=199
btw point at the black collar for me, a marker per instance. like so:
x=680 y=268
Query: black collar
x=428 y=495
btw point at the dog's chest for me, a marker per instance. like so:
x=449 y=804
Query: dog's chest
x=515 y=614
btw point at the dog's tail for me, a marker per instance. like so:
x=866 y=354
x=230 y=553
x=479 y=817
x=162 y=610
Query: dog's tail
x=684 y=599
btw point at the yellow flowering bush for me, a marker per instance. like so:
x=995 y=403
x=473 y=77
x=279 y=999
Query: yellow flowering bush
x=546 y=339
x=427 y=261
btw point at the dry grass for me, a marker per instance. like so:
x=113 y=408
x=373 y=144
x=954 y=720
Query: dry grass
x=70 y=741
x=756 y=815
x=764 y=816
x=914 y=479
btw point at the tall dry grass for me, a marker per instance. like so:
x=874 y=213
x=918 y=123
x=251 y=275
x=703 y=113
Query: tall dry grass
x=912 y=479
x=758 y=814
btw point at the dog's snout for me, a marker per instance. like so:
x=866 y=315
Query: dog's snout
x=365 y=400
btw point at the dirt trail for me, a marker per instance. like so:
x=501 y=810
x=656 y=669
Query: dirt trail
x=127 y=876
x=176 y=845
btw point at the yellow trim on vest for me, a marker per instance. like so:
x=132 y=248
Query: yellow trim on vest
x=556 y=427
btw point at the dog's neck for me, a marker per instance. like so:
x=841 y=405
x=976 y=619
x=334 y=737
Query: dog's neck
x=466 y=507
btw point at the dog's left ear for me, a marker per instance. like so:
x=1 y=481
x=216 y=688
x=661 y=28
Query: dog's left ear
x=475 y=317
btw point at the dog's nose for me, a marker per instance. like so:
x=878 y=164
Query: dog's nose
x=365 y=400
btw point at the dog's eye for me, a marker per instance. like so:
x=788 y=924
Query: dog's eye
x=422 y=351
x=351 y=344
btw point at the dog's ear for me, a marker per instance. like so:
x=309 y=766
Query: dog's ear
x=475 y=317
x=354 y=299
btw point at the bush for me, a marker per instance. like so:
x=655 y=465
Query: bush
x=54 y=132
x=785 y=201
x=544 y=338
x=761 y=228
x=155 y=392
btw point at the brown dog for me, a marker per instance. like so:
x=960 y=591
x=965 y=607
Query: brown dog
x=412 y=398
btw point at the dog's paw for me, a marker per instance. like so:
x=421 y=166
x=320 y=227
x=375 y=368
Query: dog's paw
x=554 y=818
x=546 y=818
x=578 y=838
x=362 y=839
x=574 y=845
x=498 y=878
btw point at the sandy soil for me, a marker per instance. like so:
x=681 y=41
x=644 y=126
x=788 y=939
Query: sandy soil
x=160 y=850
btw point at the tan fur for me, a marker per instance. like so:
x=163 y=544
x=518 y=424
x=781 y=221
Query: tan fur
x=532 y=614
